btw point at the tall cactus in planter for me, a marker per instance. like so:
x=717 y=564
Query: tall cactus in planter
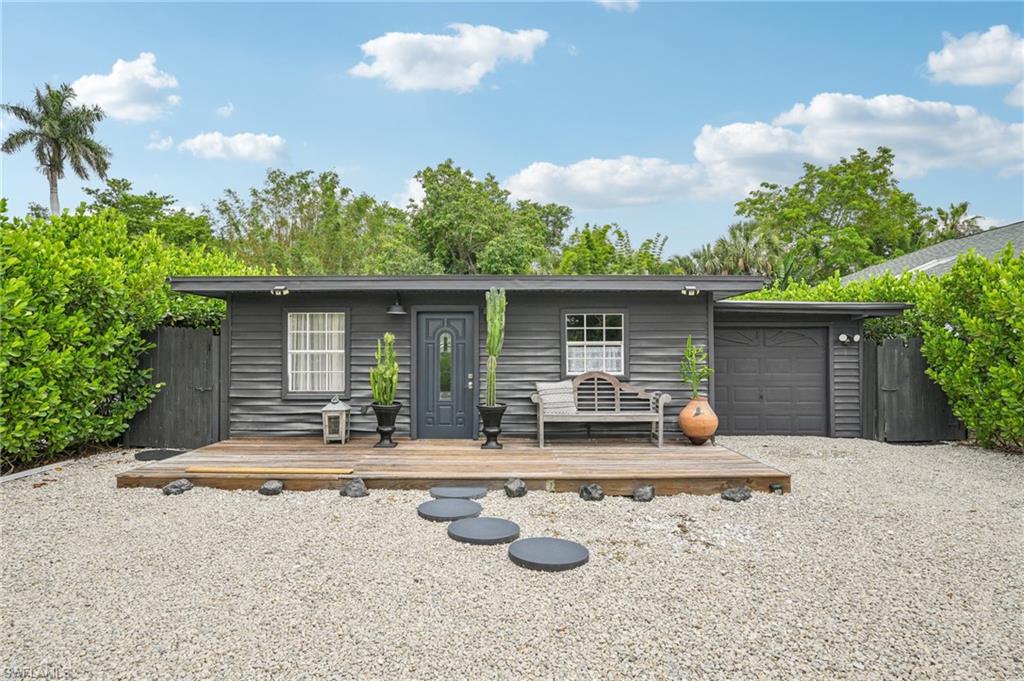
x=490 y=411
x=384 y=385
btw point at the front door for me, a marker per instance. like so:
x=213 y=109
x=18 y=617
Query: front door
x=446 y=376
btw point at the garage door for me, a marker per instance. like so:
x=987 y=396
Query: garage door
x=771 y=380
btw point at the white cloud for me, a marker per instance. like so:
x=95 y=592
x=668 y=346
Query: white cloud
x=413 y=191
x=597 y=182
x=619 y=5
x=245 y=146
x=132 y=91
x=995 y=57
x=158 y=143
x=989 y=223
x=225 y=111
x=419 y=61
x=735 y=158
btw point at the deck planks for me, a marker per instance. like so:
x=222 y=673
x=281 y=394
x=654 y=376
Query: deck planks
x=619 y=466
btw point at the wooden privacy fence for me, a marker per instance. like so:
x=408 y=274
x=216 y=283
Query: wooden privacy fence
x=186 y=412
x=901 y=403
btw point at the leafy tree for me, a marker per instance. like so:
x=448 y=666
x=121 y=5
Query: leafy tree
x=150 y=211
x=607 y=249
x=953 y=223
x=60 y=133
x=469 y=226
x=308 y=223
x=843 y=217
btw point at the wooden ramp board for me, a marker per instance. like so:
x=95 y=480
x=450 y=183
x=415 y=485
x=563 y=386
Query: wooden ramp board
x=269 y=470
x=619 y=466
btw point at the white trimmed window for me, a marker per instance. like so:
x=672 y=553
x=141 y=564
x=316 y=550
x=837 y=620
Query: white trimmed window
x=594 y=342
x=316 y=352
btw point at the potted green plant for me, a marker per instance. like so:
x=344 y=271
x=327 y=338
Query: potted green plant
x=491 y=411
x=697 y=420
x=383 y=385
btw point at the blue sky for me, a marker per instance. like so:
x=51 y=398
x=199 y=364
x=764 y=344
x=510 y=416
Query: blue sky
x=655 y=116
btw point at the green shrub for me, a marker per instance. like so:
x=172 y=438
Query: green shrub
x=77 y=294
x=887 y=288
x=384 y=376
x=973 y=323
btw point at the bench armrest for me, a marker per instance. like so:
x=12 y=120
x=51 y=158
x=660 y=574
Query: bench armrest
x=659 y=400
x=536 y=398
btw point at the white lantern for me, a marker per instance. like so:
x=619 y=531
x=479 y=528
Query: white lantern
x=336 y=421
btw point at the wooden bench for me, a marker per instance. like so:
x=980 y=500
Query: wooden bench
x=602 y=398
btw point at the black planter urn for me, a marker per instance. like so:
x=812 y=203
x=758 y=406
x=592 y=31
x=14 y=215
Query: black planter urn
x=490 y=418
x=386 y=414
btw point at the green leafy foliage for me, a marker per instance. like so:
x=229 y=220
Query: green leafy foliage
x=495 y=300
x=469 y=225
x=150 y=211
x=973 y=324
x=384 y=376
x=75 y=301
x=78 y=294
x=841 y=218
x=694 y=368
x=607 y=249
x=886 y=288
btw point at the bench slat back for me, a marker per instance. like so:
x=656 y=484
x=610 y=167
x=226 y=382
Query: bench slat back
x=597 y=391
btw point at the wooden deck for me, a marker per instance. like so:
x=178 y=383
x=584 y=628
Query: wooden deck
x=618 y=466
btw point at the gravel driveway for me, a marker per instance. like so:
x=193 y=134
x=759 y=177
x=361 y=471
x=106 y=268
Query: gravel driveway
x=885 y=562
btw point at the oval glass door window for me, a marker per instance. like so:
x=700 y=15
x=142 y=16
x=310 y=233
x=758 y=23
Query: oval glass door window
x=444 y=362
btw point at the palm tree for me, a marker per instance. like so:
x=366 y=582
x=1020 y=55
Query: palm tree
x=954 y=223
x=59 y=132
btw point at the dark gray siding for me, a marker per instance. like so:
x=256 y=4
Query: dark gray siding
x=846 y=382
x=845 y=370
x=657 y=327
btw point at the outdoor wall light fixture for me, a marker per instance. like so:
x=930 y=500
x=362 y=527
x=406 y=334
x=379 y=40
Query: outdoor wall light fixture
x=279 y=291
x=396 y=307
x=847 y=339
x=690 y=290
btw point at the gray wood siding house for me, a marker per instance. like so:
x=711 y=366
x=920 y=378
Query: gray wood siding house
x=779 y=368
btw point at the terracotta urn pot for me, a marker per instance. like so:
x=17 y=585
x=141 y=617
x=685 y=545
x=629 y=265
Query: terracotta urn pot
x=698 y=420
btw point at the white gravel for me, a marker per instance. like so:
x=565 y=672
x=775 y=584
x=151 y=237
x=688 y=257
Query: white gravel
x=885 y=562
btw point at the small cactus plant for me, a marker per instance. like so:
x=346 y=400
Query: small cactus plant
x=384 y=376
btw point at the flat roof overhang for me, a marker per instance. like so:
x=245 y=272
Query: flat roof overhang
x=797 y=308
x=222 y=287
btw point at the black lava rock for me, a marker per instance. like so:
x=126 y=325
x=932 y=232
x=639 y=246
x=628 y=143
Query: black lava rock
x=271 y=487
x=355 y=488
x=178 y=486
x=736 y=494
x=591 y=492
x=515 y=488
x=643 y=493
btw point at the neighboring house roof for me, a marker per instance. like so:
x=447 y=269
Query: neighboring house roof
x=220 y=287
x=793 y=307
x=939 y=258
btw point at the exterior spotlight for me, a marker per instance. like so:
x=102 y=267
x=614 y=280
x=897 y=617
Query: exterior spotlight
x=843 y=338
x=279 y=291
x=690 y=291
x=396 y=307
x=856 y=338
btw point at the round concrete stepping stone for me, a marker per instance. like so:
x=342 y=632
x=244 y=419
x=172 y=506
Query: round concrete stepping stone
x=548 y=554
x=446 y=510
x=461 y=492
x=157 y=454
x=483 y=531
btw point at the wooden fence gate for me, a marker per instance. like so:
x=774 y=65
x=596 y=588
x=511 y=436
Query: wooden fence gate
x=901 y=403
x=185 y=413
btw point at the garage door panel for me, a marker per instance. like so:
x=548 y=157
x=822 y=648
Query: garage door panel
x=772 y=380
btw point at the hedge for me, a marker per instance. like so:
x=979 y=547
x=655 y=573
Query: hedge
x=77 y=296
